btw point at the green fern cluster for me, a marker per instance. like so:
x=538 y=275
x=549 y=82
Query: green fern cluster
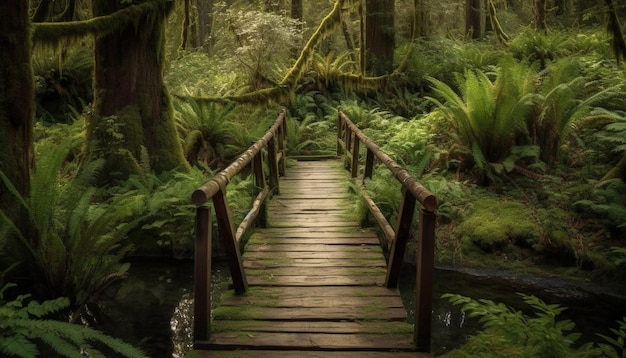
x=511 y=333
x=69 y=246
x=25 y=332
x=209 y=132
x=488 y=116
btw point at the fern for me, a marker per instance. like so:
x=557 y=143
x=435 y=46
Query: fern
x=511 y=333
x=487 y=116
x=72 y=247
x=24 y=329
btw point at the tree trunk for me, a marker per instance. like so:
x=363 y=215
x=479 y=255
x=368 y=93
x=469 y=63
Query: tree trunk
x=205 y=23
x=132 y=109
x=539 y=8
x=473 y=28
x=296 y=10
x=17 y=102
x=420 y=24
x=379 y=36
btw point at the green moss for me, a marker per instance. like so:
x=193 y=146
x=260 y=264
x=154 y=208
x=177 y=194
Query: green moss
x=236 y=313
x=494 y=224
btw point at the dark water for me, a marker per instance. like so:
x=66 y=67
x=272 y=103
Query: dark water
x=153 y=307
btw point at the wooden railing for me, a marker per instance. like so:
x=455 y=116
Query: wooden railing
x=215 y=189
x=349 y=137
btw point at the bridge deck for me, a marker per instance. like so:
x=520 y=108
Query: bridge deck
x=315 y=280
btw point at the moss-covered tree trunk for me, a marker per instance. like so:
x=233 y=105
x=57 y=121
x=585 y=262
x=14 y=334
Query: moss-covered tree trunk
x=17 y=101
x=379 y=36
x=132 y=109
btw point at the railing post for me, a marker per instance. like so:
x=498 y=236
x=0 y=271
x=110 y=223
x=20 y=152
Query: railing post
x=355 y=157
x=259 y=181
x=339 y=133
x=369 y=164
x=403 y=234
x=202 y=275
x=424 y=280
x=273 y=165
x=281 y=132
x=227 y=233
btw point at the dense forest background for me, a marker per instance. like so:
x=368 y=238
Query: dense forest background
x=112 y=112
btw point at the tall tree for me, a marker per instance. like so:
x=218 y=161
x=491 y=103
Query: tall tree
x=379 y=36
x=539 y=8
x=132 y=108
x=17 y=101
x=473 y=19
x=205 y=24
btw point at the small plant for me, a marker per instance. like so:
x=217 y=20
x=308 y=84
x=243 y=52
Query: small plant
x=26 y=332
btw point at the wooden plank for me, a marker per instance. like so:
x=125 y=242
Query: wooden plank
x=316 y=301
x=343 y=327
x=303 y=280
x=310 y=247
x=352 y=241
x=298 y=263
x=314 y=233
x=318 y=271
x=290 y=292
x=362 y=255
x=248 y=312
x=314 y=341
x=303 y=354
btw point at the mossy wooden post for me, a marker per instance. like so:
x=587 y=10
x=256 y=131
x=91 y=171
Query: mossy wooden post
x=424 y=280
x=273 y=165
x=17 y=103
x=355 y=158
x=339 y=133
x=403 y=234
x=227 y=234
x=259 y=180
x=202 y=275
x=281 y=133
x=369 y=164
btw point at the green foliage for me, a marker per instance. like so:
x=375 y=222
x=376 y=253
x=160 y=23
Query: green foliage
x=616 y=347
x=68 y=246
x=511 y=333
x=606 y=203
x=488 y=117
x=24 y=331
x=165 y=208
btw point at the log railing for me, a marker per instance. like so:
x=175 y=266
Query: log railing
x=349 y=137
x=215 y=190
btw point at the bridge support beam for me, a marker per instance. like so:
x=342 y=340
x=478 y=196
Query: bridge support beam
x=202 y=275
x=425 y=280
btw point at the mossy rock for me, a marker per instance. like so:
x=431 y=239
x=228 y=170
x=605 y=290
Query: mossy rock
x=493 y=224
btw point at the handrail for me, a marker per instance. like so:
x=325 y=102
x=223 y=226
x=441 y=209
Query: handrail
x=348 y=138
x=215 y=190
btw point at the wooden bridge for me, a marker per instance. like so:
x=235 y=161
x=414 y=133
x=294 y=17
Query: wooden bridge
x=311 y=282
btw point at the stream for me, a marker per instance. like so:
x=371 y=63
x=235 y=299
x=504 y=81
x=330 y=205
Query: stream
x=153 y=307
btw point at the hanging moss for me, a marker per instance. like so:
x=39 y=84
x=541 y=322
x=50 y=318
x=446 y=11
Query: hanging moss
x=101 y=25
